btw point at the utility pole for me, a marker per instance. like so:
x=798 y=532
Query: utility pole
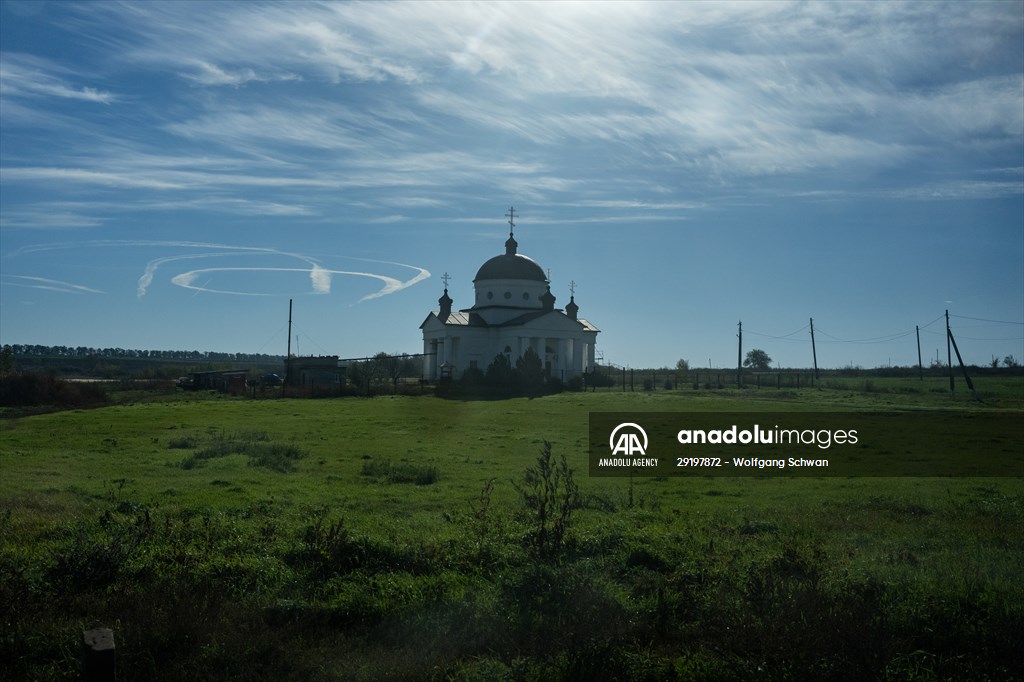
x=289 y=328
x=739 y=358
x=949 y=358
x=920 y=367
x=814 y=351
x=963 y=368
x=288 y=357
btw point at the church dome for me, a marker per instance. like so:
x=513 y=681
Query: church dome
x=511 y=266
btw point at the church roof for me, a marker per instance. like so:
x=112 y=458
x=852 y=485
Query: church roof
x=466 y=318
x=511 y=266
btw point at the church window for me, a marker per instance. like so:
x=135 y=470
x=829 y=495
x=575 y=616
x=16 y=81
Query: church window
x=508 y=294
x=490 y=295
x=526 y=295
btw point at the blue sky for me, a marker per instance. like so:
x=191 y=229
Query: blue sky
x=172 y=173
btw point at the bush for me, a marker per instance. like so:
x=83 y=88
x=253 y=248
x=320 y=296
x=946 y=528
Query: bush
x=34 y=390
x=550 y=496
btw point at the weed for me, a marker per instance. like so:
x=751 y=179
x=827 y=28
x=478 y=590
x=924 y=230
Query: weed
x=401 y=473
x=253 y=444
x=550 y=496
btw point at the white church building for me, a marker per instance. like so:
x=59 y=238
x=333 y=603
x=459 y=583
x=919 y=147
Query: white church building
x=513 y=310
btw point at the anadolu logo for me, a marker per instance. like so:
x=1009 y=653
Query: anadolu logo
x=628 y=439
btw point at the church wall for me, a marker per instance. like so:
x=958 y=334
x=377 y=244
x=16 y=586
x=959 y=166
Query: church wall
x=571 y=351
x=522 y=294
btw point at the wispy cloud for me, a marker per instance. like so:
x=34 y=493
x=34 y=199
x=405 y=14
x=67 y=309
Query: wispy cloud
x=205 y=73
x=23 y=75
x=557 y=103
x=49 y=284
x=320 y=276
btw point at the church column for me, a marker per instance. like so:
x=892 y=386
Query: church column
x=427 y=348
x=563 y=359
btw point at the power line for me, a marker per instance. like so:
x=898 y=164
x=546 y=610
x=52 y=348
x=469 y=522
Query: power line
x=982 y=319
x=875 y=339
x=783 y=338
x=311 y=339
x=272 y=337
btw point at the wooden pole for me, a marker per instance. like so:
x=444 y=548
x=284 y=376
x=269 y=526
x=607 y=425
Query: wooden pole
x=949 y=358
x=814 y=350
x=920 y=365
x=288 y=357
x=739 y=358
x=970 y=384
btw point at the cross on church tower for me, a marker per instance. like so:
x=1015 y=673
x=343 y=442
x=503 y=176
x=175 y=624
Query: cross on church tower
x=572 y=288
x=511 y=215
x=445 y=278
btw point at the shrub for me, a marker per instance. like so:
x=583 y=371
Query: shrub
x=401 y=473
x=550 y=496
x=31 y=390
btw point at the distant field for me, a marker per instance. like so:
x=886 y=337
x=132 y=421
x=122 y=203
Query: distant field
x=395 y=537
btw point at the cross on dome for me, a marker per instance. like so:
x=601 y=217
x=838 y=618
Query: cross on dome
x=511 y=215
x=445 y=278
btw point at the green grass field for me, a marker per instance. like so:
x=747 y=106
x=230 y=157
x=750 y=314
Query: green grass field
x=394 y=538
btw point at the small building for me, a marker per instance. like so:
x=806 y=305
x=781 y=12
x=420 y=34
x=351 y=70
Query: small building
x=226 y=381
x=322 y=371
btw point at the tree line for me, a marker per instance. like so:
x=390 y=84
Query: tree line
x=42 y=351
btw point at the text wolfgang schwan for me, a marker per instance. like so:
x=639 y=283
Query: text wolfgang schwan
x=803 y=444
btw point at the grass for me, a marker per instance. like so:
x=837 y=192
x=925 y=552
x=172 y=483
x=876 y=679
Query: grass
x=398 y=543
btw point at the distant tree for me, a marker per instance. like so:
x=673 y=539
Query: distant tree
x=1010 y=361
x=994 y=363
x=6 y=360
x=365 y=374
x=472 y=376
x=530 y=371
x=389 y=366
x=682 y=370
x=499 y=372
x=757 y=359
